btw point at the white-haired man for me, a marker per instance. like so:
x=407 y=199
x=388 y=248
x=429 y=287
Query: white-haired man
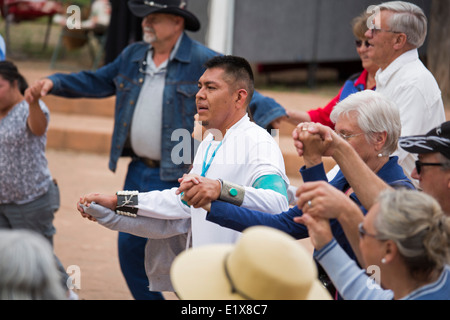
x=395 y=33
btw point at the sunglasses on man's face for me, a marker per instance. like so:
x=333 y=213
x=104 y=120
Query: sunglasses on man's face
x=359 y=43
x=419 y=165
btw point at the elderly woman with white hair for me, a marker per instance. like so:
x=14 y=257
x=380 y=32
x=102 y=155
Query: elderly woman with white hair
x=371 y=125
x=27 y=267
x=404 y=240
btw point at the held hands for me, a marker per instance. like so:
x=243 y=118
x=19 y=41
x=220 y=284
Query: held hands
x=33 y=93
x=319 y=139
x=40 y=88
x=318 y=228
x=108 y=201
x=320 y=202
x=276 y=124
x=199 y=191
x=320 y=199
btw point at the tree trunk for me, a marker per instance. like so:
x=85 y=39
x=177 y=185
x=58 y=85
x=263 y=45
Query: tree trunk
x=438 y=50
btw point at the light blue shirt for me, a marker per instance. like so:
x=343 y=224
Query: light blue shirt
x=354 y=284
x=2 y=49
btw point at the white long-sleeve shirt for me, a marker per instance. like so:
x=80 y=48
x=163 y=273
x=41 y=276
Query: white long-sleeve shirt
x=247 y=153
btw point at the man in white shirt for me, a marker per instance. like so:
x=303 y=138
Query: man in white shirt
x=236 y=150
x=396 y=32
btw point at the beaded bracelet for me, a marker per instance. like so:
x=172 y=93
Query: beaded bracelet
x=126 y=202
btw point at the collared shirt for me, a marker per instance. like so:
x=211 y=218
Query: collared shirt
x=354 y=84
x=412 y=87
x=146 y=128
x=123 y=79
x=248 y=152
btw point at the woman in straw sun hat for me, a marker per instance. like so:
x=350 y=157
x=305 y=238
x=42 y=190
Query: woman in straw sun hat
x=265 y=264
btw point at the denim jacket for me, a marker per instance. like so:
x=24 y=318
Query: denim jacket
x=123 y=78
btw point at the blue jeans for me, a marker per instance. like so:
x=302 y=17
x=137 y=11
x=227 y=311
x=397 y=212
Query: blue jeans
x=132 y=248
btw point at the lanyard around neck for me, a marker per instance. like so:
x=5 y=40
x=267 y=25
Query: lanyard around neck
x=206 y=166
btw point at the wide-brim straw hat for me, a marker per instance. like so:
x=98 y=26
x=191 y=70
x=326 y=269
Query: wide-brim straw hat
x=265 y=264
x=142 y=8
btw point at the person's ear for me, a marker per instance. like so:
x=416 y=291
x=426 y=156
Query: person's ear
x=391 y=251
x=380 y=140
x=241 y=96
x=401 y=40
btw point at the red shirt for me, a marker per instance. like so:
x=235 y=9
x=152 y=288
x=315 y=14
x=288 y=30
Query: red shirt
x=322 y=115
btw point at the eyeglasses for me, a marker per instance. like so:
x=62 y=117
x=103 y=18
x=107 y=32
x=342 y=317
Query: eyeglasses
x=348 y=136
x=375 y=30
x=419 y=165
x=359 y=43
x=363 y=232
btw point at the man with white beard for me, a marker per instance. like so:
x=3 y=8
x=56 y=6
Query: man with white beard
x=155 y=83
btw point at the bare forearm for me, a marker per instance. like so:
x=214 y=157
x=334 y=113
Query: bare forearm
x=37 y=121
x=349 y=220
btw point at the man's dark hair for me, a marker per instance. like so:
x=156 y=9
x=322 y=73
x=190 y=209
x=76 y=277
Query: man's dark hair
x=236 y=67
x=10 y=73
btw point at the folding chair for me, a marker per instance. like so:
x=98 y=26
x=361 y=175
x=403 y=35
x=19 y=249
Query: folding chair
x=20 y=10
x=93 y=29
x=74 y=39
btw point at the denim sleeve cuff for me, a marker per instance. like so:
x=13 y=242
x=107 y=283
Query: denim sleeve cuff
x=56 y=83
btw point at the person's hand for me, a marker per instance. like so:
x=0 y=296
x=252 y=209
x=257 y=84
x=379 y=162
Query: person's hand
x=33 y=93
x=327 y=135
x=108 y=201
x=276 y=124
x=313 y=145
x=199 y=131
x=199 y=191
x=319 y=230
x=45 y=85
x=295 y=116
x=187 y=181
x=321 y=200
x=80 y=208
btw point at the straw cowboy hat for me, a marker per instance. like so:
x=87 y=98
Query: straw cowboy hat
x=142 y=8
x=265 y=264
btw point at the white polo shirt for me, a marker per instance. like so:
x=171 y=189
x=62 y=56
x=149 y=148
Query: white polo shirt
x=412 y=87
x=247 y=153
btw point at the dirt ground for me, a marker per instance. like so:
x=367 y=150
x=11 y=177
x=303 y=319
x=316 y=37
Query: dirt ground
x=79 y=243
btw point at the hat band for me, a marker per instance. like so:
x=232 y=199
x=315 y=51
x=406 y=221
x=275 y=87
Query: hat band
x=233 y=287
x=162 y=6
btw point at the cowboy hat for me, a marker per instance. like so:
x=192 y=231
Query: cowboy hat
x=142 y=8
x=265 y=264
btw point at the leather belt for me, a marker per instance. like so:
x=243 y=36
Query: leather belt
x=150 y=162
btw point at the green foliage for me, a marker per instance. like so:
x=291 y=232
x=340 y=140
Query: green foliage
x=81 y=3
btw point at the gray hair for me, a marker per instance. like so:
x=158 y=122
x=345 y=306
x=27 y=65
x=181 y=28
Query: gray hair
x=28 y=267
x=418 y=226
x=409 y=19
x=445 y=162
x=375 y=114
